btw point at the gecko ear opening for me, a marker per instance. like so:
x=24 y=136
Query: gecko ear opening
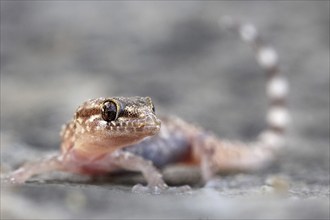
x=110 y=110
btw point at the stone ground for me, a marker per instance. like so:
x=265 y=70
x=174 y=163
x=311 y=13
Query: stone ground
x=56 y=54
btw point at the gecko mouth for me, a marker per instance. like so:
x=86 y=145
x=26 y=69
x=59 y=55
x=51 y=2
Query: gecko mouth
x=149 y=125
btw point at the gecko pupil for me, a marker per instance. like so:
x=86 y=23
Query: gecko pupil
x=109 y=111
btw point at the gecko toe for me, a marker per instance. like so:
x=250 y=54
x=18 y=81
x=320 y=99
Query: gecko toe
x=16 y=177
x=11 y=179
x=164 y=189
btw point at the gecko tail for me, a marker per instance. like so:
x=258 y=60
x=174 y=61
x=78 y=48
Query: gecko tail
x=277 y=88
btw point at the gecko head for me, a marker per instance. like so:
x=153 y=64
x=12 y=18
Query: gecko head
x=117 y=121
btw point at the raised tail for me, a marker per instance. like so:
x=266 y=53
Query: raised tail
x=277 y=85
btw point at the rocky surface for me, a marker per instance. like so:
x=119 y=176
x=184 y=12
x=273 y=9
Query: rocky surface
x=54 y=55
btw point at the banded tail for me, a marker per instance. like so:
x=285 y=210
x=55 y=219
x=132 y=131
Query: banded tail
x=226 y=156
x=277 y=85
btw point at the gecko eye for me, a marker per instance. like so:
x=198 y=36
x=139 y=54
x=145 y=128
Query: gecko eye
x=110 y=110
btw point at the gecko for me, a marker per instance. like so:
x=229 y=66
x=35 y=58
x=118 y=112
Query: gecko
x=113 y=134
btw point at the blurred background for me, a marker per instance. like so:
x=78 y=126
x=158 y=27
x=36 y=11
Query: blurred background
x=57 y=54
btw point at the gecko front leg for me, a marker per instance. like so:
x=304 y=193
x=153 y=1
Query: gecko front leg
x=155 y=182
x=52 y=163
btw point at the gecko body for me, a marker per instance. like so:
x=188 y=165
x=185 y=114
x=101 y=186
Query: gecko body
x=124 y=133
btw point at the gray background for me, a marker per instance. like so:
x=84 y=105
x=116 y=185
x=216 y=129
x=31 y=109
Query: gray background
x=56 y=54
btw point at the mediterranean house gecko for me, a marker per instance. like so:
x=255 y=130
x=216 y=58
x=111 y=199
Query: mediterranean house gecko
x=124 y=133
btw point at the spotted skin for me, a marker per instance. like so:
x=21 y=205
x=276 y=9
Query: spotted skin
x=124 y=133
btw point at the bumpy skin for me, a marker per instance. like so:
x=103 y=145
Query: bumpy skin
x=124 y=133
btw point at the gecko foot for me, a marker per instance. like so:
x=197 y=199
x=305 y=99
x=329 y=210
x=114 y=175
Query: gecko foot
x=16 y=177
x=163 y=189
